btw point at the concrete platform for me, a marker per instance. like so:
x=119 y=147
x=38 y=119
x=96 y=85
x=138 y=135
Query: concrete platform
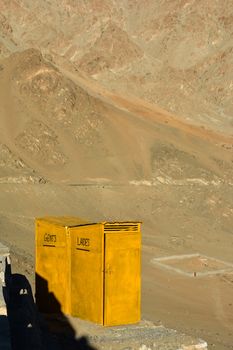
x=193 y=265
x=5 y=343
x=143 y=336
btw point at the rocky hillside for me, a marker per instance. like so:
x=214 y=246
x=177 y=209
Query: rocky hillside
x=58 y=127
x=176 y=54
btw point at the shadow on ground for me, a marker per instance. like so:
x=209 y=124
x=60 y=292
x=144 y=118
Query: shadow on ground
x=5 y=343
x=31 y=330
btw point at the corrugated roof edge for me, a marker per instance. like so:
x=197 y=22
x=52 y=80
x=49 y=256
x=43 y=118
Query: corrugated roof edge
x=66 y=221
x=69 y=221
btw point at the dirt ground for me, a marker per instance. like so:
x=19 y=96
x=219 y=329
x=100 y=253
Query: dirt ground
x=199 y=306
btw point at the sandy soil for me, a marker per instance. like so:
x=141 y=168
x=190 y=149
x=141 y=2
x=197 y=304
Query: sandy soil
x=197 y=306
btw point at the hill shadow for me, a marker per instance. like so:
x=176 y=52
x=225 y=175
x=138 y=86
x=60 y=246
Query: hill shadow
x=31 y=329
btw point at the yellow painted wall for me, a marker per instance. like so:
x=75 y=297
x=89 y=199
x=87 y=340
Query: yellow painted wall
x=92 y=271
x=52 y=268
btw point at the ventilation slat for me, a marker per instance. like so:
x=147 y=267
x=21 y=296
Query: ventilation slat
x=121 y=227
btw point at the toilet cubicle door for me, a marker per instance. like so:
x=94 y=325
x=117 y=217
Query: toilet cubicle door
x=52 y=294
x=87 y=253
x=122 y=287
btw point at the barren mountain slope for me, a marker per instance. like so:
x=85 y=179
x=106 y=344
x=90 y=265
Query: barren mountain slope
x=62 y=132
x=57 y=128
x=176 y=54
